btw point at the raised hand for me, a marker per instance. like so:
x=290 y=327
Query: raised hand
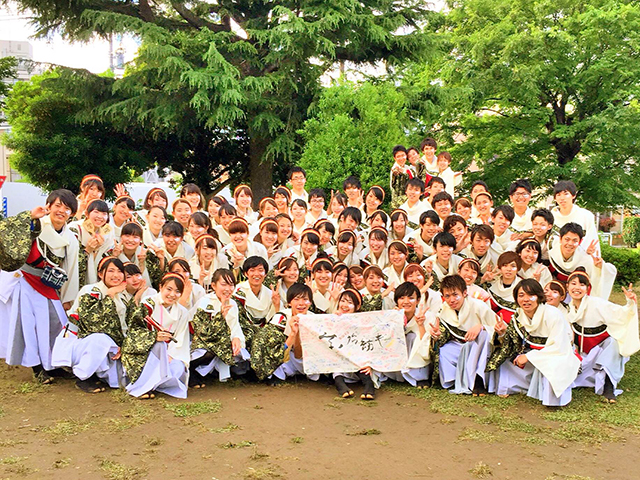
x=38 y=212
x=117 y=248
x=591 y=249
x=119 y=190
x=434 y=329
x=630 y=294
x=236 y=345
x=500 y=327
x=275 y=296
x=224 y=309
x=538 y=272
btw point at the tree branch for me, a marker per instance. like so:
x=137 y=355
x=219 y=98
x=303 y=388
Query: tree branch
x=197 y=22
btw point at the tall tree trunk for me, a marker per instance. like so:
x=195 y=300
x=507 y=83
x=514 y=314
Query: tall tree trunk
x=260 y=170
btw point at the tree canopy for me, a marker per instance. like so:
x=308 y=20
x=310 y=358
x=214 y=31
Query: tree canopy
x=7 y=72
x=231 y=77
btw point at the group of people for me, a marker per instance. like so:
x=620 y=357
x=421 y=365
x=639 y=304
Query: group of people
x=500 y=299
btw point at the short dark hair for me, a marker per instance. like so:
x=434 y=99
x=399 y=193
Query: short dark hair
x=453 y=220
x=482 y=183
x=322 y=264
x=99 y=205
x=445 y=155
x=111 y=261
x=544 y=213
x=351 y=212
x=297 y=169
x=253 y=262
x=327 y=225
x=227 y=209
x=351 y=181
x=520 y=183
x=509 y=257
x=300 y=203
x=312 y=237
x=429 y=215
x=572 y=227
x=299 y=290
x=529 y=243
x=442 y=197
x=406 y=289
x=444 y=239
x=132 y=269
x=428 y=142
x=506 y=210
x=173 y=229
x=223 y=274
x=437 y=180
x=66 y=197
x=132 y=229
x=415 y=183
x=398 y=148
x=530 y=287
x=379 y=213
x=317 y=192
x=453 y=283
x=565 y=186
x=484 y=231
x=131 y=205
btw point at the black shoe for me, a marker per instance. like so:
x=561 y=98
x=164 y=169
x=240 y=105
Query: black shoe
x=369 y=390
x=61 y=373
x=343 y=390
x=42 y=376
x=479 y=390
x=88 y=386
x=273 y=381
x=196 y=380
x=609 y=392
x=423 y=384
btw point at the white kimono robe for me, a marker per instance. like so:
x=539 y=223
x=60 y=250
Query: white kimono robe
x=258 y=306
x=414 y=212
x=486 y=260
x=545 y=274
x=582 y=217
x=85 y=232
x=522 y=223
x=439 y=271
x=184 y=250
x=174 y=319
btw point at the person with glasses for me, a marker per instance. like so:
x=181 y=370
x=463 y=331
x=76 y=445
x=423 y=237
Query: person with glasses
x=298 y=179
x=520 y=196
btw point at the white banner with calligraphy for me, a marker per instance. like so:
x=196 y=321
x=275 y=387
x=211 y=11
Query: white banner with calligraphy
x=346 y=343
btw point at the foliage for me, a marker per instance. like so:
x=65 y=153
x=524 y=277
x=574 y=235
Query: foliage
x=631 y=231
x=546 y=90
x=57 y=154
x=352 y=132
x=8 y=67
x=626 y=260
x=606 y=223
x=231 y=79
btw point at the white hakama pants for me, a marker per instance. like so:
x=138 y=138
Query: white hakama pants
x=602 y=360
x=91 y=355
x=291 y=368
x=224 y=371
x=509 y=380
x=460 y=362
x=33 y=325
x=161 y=375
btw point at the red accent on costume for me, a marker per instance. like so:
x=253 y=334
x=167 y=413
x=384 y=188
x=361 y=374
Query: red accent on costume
x=34 y=280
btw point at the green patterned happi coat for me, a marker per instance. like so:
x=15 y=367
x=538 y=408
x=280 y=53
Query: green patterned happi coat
x=267 y=352
x=16 y=239
x=211 y=332
x=515 y=342
x=98 y=315
x=138 y=342
x=398 y=187
x=371 y=303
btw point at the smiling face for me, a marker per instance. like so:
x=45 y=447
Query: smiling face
x=225 y=220
x=564 y=199
x=346 y=305
x=281 y=201
x=269 y=210
x=98 y=218
x=552 y=296
x=347 y=223
x=240 y=240
x=307 y=248
x=527 y=302
x=463 y=211
x=376 y=245
x=569 y=243
x=171 y=243
x=529 y=256
x=520 y=198
x=194 y=200
x=91 y=193
x=178 y=270
x=134 y=282
x=396 y=257
x=158 y=200
x=443 y=164
x=300 y=305
x=182 y=213
x=121 y=212
x=345 y=248
x=372 y=202
x=459 y=231
x=291 y=274
x=413 y=156
x=112 y=276
x=244 y=200
x=223 y=289
x=540 y=227
x=413 y=194
x=577 y=290
x=207 y=253
x=443 y=208
x=399 y=225
x=298 y=212
x=373 y=283
x=429 y=151
x=480 y=245
x=212 y=209
x=322 y=278
x=357 y=280
x=483 y=205
x=429 y=229
x=325 y=236
x=468 y=273
x=170 y=293
x=130 y=242
x=196 y=230
x=155 y=220
x=268 y=238
x=500 y=224
x=336 y=207
x=416 y=278
x=443 y=252
x=408 y=304
x=285 y=228
x=256 y=276
x=353 y=193
x=400 y=157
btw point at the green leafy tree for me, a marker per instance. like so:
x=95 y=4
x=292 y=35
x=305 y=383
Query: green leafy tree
x=8 y=72
x=546 y=90
x=352 y=132
x=54 y=150
x=233 y=72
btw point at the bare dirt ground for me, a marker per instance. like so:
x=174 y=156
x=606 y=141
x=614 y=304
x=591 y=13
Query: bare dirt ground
x=302 y=431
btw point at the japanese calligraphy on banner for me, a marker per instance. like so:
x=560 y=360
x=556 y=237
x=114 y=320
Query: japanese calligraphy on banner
x=346 y=343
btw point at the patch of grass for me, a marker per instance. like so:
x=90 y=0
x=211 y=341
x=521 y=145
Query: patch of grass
x=118 y=471
x=121 y=396
x=585 y=433
x=66 y=428
x=153 y=441
x=12 y=460
x=368 y=403
x=257 y=455
x=365 y=432
x=26 y=388
x=567 y=477
x=242 y=444
x=477 y=435
x=2 y=412
x=258 y=407
x=11 y=443
x=481 y=470
x=229 y=427
x=450 y=406
x=447 y=420
x=332 y=405
x=261 y=473
x=533 y=440
x=184 y=410
x=297 y=440
x=138 y=414
x=508 y=423
x=62 y=463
